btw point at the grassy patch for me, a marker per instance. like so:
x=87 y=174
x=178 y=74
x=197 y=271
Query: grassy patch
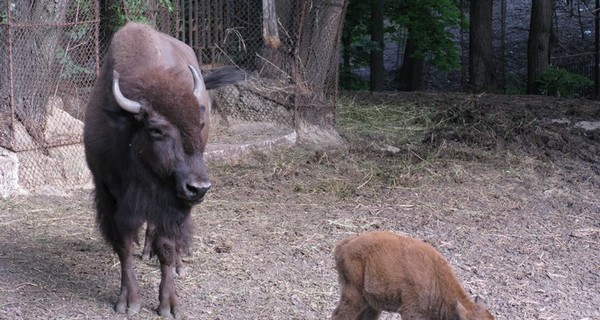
x=402 y=138
x=393 y=124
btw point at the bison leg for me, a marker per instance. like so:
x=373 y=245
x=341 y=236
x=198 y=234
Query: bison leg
x=129 y=299
x=180 y=270
x=148 y=239
x=120 y=230
x=167 y=254
x=147 y=253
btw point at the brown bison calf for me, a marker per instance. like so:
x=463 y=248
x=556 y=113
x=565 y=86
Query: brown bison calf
x=382 y=271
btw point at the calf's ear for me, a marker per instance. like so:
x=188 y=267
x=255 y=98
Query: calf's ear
x=479 y=300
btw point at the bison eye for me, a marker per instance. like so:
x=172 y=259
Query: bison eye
x=156 y=133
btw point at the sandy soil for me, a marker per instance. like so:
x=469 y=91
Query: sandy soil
x=509 y=195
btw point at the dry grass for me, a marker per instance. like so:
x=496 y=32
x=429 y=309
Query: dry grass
x=519 y=224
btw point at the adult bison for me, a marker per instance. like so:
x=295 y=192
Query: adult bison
x=146 y=128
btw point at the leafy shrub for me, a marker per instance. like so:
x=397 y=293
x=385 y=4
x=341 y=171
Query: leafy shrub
x=135 y=10
x=562 y=83
x=351 y=81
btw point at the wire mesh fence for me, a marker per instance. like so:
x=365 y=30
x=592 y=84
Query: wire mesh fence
x=51 y=52
x=49 y=59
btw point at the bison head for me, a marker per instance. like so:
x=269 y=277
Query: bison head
x=170 y=129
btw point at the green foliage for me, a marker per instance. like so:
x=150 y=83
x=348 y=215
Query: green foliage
x=73 y=37
x=77 y=32
x=355 y=34
x=134 y=10
x=130 y=10
x=68 y=67
x=427 y=22
x=559 y=82
x=515 y=84
x=351 y=81
x=4 y=14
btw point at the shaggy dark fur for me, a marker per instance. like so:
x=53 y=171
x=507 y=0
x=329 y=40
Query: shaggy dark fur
x=149 y=166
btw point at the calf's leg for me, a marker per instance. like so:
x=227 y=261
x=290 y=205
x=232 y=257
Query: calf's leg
x=370 y=314
x=352 y=306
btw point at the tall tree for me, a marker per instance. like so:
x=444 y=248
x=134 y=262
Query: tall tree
x=481 y=59
x=318 y=44
x=427 y=22
x=377 y=74
x=538 y=44
x=411 y=73
x=308 y=57
x=270 y=30
x=354 y=52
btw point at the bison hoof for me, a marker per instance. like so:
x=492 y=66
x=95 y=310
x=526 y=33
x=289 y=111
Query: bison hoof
x=170 y=312
x=128 y=304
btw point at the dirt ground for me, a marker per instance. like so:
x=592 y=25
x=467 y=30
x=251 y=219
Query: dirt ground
x=507 y=188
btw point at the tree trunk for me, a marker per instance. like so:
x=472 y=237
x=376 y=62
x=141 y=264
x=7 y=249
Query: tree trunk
x=481 y=59
x=538 y=45
x=377 y=74
x=270 y=30
x=463 y=48
x=315 y=71
x=411 y=73
x=276 y=58
x=501 y=74
x=320 y=25
x=33 y=56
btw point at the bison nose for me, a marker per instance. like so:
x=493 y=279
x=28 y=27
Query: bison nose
x=195 y=190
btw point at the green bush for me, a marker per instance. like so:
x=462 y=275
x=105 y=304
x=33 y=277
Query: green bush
x=134 y=10
x=562 y=83
x=351 y=81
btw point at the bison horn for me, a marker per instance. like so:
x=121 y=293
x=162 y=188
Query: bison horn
x=126 y=104
x=199 y=85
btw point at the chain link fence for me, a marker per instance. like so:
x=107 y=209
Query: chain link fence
x=48 y=62
x=51 y=52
